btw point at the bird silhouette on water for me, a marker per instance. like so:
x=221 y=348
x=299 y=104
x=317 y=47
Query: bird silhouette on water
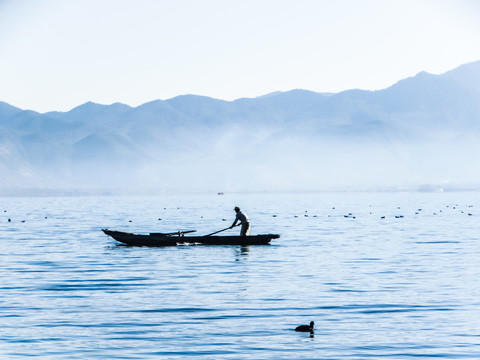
x=306 y=328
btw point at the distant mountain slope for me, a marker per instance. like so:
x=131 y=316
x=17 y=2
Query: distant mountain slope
x=423 y=129
x=7 y=111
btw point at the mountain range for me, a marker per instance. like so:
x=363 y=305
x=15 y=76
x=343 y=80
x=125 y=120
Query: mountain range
x=420 y=133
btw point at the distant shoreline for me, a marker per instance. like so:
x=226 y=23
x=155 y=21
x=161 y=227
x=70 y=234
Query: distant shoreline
x=79 y=192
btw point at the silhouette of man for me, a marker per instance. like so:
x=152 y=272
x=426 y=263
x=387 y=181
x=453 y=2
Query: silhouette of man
x=243 y=218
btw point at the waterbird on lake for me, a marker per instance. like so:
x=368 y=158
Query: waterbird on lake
x=305 y=328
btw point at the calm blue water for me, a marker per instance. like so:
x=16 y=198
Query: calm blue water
x=390 y=288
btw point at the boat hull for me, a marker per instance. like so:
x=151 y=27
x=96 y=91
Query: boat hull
x=156 y=240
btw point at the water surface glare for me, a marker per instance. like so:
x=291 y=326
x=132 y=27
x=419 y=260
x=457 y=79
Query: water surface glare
x=383 y=275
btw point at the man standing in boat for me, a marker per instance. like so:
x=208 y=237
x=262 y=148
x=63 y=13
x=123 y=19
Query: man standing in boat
x=243 y=218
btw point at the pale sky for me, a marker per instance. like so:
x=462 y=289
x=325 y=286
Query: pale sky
x=58 y=54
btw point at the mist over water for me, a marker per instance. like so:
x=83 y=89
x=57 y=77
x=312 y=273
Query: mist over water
x=281 y=164
x=297 y=164
x=383 y=275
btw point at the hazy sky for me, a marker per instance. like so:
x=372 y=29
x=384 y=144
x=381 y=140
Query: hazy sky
x=57 y=54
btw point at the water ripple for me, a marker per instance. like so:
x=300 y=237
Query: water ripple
x=376 y=288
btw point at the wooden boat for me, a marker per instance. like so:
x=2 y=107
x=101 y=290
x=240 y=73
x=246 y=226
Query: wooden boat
x=178 y=238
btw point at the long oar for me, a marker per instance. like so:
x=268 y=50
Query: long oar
x=216 y=232
x=179 y=233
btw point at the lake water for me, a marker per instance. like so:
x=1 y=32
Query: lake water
x=396 y=279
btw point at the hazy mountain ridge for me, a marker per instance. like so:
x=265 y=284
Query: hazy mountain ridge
x=281 y=141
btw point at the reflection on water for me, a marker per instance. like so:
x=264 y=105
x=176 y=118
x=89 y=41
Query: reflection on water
x=241 y=252
x=382 y=275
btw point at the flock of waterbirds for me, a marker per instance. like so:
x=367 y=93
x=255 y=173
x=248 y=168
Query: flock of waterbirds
x=399 y=214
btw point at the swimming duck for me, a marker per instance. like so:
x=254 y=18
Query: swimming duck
x=305 y=328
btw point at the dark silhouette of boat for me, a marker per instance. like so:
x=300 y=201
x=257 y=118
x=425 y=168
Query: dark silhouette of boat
x=178 y=238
